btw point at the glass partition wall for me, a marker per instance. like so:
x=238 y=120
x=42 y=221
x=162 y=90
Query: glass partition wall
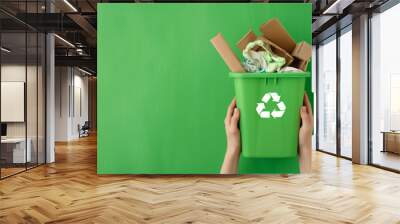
x=334 y=94
x=327 y=95
x=345 y=62
x=22 y=98
x=13 y=89
x=385 y=90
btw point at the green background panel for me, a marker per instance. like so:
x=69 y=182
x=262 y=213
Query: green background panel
x=163 y=90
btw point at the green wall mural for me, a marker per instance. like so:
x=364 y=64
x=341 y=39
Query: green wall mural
x=163 y=90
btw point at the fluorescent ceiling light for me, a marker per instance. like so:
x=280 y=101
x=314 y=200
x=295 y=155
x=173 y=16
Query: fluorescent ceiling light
x=338 y=6
x=65 y=41
x=84 y=71
x=5 y=50
x=328 y=10
x=70 y=5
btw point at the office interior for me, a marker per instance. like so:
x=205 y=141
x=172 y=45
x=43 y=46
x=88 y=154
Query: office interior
x=29 y=46
x=334 y=74
x=33 y=63
x=49 y=85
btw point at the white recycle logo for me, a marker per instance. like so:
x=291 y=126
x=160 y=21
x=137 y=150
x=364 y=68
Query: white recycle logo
x=275 y=113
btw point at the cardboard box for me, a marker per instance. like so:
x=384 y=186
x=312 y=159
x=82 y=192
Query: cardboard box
x=300 y=64
x=274 y=31
x=247 y=38
x=227 y=54
x=302 y=51
x=277 y=38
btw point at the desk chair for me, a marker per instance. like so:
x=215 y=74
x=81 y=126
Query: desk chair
x=84 y=130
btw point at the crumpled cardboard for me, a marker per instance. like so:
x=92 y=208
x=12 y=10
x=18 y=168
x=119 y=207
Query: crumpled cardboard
x=277 y=37
x=274 y=31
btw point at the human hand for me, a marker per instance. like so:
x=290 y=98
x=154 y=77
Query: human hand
x=233 y=146
x=232 y=130
x=305 y=136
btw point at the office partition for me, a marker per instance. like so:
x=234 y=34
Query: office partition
x=22 y=78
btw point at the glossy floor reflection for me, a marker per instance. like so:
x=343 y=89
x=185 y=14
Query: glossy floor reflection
x=387 y=159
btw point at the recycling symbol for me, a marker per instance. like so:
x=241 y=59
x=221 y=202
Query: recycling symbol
x=275 y=113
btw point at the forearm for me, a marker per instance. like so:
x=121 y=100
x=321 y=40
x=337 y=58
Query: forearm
x=230 y=165
x=305 y=159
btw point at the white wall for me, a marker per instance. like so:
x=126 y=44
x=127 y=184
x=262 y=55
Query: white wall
x=70 y=83
x=16 y=73
x=80 y=84
x=62 y=82
x=12 y=73
x=33 y=127
x=13 y=101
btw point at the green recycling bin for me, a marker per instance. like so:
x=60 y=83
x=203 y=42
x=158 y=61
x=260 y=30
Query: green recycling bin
x=269 y=105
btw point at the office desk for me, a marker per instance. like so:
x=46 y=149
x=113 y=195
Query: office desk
x=16 y=147
x=391 y=141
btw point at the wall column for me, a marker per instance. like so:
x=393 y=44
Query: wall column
x=360 y=90
x=50 y=99
x=50 y=92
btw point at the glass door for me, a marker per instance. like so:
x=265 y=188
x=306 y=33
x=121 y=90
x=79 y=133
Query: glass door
x=14 y=153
